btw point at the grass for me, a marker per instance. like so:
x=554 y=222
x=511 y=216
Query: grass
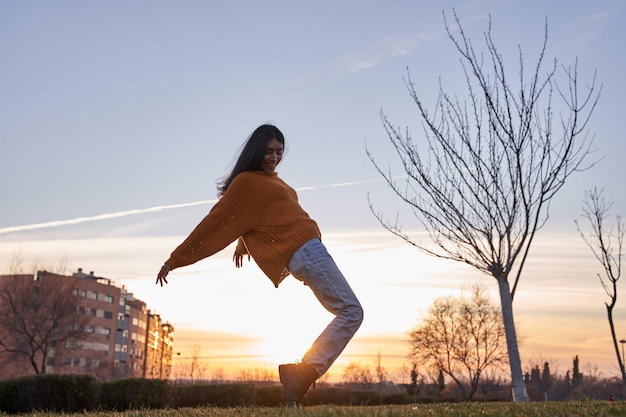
x=584 y=408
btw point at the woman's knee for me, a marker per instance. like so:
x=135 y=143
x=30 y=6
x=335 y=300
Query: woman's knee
x=355 y=313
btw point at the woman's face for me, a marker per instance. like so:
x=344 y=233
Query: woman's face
x=273 y=155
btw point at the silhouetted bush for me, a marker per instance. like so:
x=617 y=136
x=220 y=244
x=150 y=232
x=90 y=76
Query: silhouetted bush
x=328 y=395
x=61 y=393
x=217 y=395
x=135 y=393
x=267 y=396
x=347 y=396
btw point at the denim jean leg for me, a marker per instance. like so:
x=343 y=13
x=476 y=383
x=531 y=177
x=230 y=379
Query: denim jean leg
x=313 y=265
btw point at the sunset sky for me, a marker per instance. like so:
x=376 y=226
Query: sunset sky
x=117 y=118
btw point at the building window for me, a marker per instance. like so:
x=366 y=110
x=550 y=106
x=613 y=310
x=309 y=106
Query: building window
x=108 y=298
x=90 y=329
x=93 y=312
x=93 y=295
x=108 y=315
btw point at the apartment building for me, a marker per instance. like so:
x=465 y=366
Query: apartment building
x=118 y=338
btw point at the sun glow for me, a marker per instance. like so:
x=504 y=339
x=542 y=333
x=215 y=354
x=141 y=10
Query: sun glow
x=286 y=349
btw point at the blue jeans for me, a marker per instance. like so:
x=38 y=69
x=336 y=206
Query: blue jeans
x=313 y=265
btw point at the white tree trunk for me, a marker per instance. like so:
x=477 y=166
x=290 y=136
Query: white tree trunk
x=515 y=362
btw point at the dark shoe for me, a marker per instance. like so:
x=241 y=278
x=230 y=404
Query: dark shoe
x=296 y=380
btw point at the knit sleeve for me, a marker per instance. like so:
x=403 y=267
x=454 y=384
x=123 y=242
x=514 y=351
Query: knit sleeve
x=230 y=218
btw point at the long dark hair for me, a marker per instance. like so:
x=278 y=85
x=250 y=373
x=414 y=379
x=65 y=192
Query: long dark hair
x=251 y=156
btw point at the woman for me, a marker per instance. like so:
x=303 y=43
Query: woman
x=262 y=212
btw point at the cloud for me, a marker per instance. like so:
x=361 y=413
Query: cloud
x=383 y=51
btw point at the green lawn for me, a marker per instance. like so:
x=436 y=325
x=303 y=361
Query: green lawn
x=535 y=409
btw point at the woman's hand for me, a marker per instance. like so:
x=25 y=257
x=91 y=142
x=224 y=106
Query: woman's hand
x=238 y=259
x=162 y=274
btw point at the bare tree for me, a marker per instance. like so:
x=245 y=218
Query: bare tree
x=357 y=374
x=461 y=337
x=402 y=375
x=381 y=372
x=219 y=376
x=491 y=165
x=193 y=367
x=38 y=316
x=255 y=375
x=606 y=245
x=18 y=265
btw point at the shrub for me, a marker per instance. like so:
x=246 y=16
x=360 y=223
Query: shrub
x=217 y=395
x=60 y=393
x=135 y=393
x=267 y=396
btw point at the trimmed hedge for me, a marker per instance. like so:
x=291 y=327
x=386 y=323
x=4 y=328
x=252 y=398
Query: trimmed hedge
x=62 y=393
x=217 y=395
x=135 y=394
x=268 y=396
x=347 y=396
x=83 y=393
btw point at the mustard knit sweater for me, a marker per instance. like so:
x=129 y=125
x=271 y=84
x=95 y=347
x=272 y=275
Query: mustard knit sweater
x=263 y=212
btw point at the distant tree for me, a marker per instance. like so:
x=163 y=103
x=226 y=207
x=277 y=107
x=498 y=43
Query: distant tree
x=546 y=380
x=414 y=376
x=577 y=376
x=541 y=381
x=39 y=316
x=490 y=166
x=460 y=337
x=561 y=387
x=381 y=372
x=192 y=367
x=492 y=383
x=18 y=265
x=402 y=375
x=606 y=244
x=357 y=374
x=535 y=376
x=441 y=382
x=255 y=375
x=218 y=375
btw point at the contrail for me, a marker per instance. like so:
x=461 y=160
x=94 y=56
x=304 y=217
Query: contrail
x=98 y=217
x=119 y=214
x=340 y=184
